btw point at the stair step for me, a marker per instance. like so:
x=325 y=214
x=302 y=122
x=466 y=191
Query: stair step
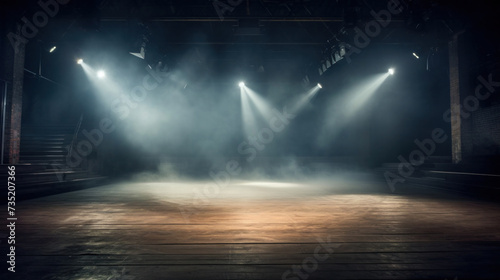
x=491 y=180
x=467 y=167
x=477 y=190
x=61 y=161
x=25 y=137
x=439 y=159
x=48 y=128
x=46 y=145
x=44 y=156
x=50 y=188
x=43 y=152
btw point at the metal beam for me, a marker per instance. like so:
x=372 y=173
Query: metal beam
x=228 y=19
x=236 y=19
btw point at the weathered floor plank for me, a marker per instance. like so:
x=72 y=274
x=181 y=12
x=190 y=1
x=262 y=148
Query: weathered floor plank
x=254 y=230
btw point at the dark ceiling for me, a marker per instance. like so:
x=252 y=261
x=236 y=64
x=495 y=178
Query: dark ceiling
x=273 y=45
x=261 y=29
x=264 y=22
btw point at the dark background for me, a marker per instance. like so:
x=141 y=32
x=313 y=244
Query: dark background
x=196 y=112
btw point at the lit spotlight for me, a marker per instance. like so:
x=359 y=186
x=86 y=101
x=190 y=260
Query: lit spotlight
x=320 y=85
x=53 y=49
x=101 y=74
x=241 y=84
x=391 y=71
x=416 y=55
x=79 y=61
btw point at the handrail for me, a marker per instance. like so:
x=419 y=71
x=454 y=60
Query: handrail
x=75 y=135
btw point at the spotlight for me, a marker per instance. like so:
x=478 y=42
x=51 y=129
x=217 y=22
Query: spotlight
x=101 y=74
x=391 y=71
x=416 y=55
x=79 y=61
x=53 y=49
x=242 y=84
x=320 y=85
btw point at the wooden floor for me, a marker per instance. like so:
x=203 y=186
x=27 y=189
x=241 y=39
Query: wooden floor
x=334 y=229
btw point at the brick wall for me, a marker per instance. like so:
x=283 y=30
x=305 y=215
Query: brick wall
x=485 y=133
x=480 y=130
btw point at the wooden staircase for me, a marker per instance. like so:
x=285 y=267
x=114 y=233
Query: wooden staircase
x=42 y=169
x=45 y=145
x=473 y=177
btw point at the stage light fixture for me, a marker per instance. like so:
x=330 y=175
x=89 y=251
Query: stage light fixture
x=143 y=43
x=320 y=85
x=338 y=57
x=101 y=74
x=416 y=56
x=242 y=84
x=391 y=71
x=79 y=61
x=142 y=52
x=52 y=49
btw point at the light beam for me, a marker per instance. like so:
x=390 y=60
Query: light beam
x=101 y=74
x=247 y=116
x=260 y=104
x=344 y=109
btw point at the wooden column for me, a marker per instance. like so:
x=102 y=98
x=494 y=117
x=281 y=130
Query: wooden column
x=15 y=94
x=456 y=121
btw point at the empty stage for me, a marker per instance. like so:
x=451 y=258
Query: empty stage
x=337 y=228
